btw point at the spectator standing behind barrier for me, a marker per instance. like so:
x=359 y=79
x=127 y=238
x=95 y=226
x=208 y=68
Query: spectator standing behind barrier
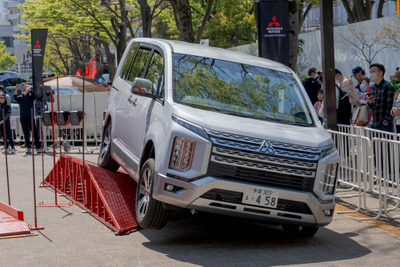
x=359 y=74
x=343 y=106
x=6 y=122
x=25 y=101
x=380 y=99
x=8 y=98
x=395 y=79
x=311 y=85
x=318 y=106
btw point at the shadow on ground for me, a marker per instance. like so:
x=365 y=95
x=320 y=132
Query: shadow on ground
x=224 y=241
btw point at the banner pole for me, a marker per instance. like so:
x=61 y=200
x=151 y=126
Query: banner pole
x=33 y=174
x=5 y=151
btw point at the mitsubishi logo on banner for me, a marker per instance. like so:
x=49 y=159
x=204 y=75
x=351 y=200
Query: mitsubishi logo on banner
x=274 y=29
x=274 y=22
x=37 y=51
x=38 y=41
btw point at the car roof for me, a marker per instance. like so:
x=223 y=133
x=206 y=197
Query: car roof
x=217 y=53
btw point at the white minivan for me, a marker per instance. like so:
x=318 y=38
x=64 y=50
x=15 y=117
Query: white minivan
x=208 y=129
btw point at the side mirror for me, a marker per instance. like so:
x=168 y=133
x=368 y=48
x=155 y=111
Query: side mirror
x=143 y=86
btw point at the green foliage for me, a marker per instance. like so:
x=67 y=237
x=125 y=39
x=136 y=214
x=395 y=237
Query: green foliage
x=6 y=60
x=232 y=24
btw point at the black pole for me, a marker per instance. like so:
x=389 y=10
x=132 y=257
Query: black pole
x=5 y=151
x=328 y=62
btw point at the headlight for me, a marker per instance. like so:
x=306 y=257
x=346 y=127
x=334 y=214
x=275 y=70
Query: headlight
x=328 y=182
x=182 y=154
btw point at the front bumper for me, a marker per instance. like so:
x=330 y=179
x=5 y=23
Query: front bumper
x=221 y=196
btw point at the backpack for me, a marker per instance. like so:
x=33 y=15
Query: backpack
x=344 y=108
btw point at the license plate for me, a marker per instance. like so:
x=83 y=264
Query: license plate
x=260 y=196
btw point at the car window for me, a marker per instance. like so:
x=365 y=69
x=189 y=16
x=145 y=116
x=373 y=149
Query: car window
x=139 y=65
x=239 y=89
x=155 y=72
x=128 y=61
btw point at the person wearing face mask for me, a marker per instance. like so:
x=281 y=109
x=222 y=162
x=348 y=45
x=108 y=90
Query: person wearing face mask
x=26 y=100
x=359 y=74
x=380 y=99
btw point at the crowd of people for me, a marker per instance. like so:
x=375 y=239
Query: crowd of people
x=369 y=101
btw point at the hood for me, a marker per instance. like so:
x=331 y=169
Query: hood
x=272 y=131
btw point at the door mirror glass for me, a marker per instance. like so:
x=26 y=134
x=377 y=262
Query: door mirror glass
x=143 y=86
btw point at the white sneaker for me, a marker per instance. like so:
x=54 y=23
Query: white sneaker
x=39 y=150
x=28 y=151
x=12 y=151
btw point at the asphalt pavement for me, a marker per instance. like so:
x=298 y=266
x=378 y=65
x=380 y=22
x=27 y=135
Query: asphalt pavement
x=74 y=238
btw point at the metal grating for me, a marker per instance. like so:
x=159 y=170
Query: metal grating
x=107 y=195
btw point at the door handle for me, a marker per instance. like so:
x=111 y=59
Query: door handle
x=132 y=102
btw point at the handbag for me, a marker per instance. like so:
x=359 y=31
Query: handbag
x=360 y=116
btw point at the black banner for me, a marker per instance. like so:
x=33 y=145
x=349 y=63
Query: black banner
x=273 y=30
x=38 y=41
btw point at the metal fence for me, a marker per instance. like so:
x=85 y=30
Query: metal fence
x=69 y=135
x=370 y=166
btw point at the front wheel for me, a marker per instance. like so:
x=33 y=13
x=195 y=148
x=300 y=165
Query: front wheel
x=105 y=160
x=149 y=212
x=299 y=231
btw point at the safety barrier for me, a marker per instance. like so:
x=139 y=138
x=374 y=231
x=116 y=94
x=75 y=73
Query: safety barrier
x=370 y=165
x=71 y=132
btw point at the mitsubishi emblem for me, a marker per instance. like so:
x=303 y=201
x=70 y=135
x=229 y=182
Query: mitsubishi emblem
x=266 y=147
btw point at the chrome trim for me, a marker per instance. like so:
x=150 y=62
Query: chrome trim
x=264 y=159
x=262 y=167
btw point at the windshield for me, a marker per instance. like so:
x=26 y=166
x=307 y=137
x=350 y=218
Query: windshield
x=239 y=89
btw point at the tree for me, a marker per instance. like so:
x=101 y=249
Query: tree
x=6 y=60
x=365 y=46
x=358 y=10
x=232 y=23
x=298 y=11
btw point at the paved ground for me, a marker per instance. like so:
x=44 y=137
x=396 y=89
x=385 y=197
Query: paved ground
x=74 y=238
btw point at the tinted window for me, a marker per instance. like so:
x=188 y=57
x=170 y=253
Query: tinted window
x=239 y=89
x=138 y=68
x=155 y=71
x=129 y=59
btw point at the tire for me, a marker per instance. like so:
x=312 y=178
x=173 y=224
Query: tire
x=105 y=160
x=149 y=212
x=299 y=231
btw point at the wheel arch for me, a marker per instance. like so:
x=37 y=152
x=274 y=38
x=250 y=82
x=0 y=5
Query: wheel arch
x=148 y=152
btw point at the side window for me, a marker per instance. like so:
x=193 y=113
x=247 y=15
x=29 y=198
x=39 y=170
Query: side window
x=139 y=65
x=155 y=72
x=129 y=59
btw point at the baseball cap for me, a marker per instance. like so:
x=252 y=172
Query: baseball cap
x=356 y=70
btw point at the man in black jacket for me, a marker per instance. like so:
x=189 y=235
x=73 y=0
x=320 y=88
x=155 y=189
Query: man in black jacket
x=25 y=101
x=311 y=85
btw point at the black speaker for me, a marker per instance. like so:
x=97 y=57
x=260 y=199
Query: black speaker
x=62 y=118
x=75 y=117
x=47 y=118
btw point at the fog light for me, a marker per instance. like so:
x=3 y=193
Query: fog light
x=169 y=187
x=328 y=212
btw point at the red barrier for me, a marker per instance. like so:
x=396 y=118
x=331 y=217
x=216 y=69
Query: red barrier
x=11 y=221
x=108 y=196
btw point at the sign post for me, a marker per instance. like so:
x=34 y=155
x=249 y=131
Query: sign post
x=38 y=41
x=273 y=30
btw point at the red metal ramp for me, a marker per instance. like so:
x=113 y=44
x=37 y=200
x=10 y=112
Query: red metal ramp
x=109 y=196
x=12 y=221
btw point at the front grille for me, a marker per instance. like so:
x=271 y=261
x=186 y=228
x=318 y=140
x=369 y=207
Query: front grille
x=236 y=198
x=263 y=162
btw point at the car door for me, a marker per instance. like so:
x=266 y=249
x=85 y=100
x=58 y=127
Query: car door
x=134 y=109
x=120 y=93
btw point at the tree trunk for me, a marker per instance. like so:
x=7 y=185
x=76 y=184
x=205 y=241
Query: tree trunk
x=145 y=11
x=201 y=27
x=183 y=19
x=110 y=59
x=294 y=29
x=380 y=8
